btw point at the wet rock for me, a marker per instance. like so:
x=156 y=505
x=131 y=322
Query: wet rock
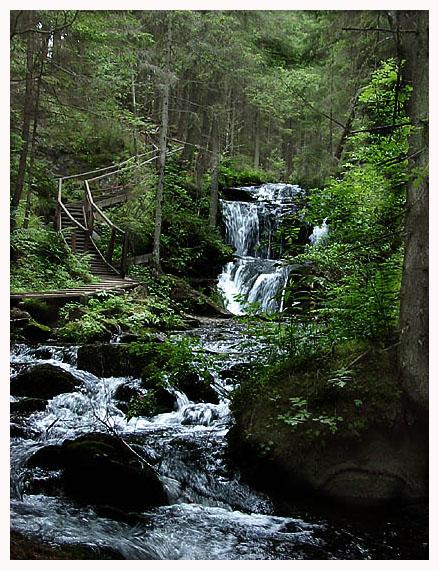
x=27 y=406
x=125 y=392
x=100 y=469
x=43 y=353
x=197 y=389
x=197 y=303
x=110 y=359
x=166 y=401
x=127 y=338
x=19 y=317
x=200 y=414
x=44 y=381
x=49 y=457
x=36 y=332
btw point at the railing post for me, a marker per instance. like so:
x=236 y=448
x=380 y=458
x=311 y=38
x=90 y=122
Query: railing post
x=124 y=256
x=58 y=217
x=111 y=243
x=73 y=240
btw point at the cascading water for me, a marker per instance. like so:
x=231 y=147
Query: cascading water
x=212 y=514
x=256 y=276
x=319 y=233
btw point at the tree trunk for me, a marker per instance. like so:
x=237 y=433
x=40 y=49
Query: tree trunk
x=162 y=158
x=256 y=158
x=34 y=134
x=133 y=95
x=413 y=350
x=347 y=129
x=27 y=117
x=213 y=211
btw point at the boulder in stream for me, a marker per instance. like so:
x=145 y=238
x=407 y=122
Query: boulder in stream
x=111 y=359
x=27 y=406
x=44 y=381
x=101 y=469
x=197 y=389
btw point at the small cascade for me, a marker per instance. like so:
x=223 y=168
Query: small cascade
x=319 y=233
x=257 y=276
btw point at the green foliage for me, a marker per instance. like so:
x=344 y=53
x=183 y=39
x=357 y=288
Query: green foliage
x=353 y=389
x=107 y=313
x=168 y=361
x=353 y=285
x=142 y=405
x=43 y=262
x=237 y=172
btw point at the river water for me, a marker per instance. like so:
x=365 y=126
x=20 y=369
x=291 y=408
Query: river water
x=213 y=513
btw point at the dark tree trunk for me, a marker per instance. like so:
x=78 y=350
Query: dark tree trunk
x=213 y=211
x=413 y=353
x=27 y=118
x=162 y=159
x=30 y=173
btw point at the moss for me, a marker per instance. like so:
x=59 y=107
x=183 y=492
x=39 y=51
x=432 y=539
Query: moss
x=311 y=405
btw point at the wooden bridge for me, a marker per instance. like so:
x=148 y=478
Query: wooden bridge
x=84 y=225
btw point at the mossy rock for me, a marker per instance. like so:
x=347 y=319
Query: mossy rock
x=44 y=381
x=110 y=359
x=36 y=332
x=352 y=440
x=100 y=469
x=27 y=406
x=196 y=389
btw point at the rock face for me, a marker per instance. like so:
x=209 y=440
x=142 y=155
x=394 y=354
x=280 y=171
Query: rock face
x=44 y=381
x=377 y=453
x=378 y=468
x=197 y=303
x=27 y=406
x=99 y=469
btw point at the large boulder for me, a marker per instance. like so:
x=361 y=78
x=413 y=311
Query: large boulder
x=377 y=468
x=196 y=302
x=44 y=381
x=101 y=469
x=355 y=441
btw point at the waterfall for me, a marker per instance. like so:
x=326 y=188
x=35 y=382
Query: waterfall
x=256 y=276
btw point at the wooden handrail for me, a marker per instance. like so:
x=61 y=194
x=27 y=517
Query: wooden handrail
x=90 y=208
x=62 y=206
x=99 y=211
x=105 y=167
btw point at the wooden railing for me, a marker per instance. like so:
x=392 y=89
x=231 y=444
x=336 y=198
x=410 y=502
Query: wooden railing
x=92 y=212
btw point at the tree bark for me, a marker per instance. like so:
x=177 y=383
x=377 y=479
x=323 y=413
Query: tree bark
x=162 y=158
x=43 y=55
x=413 y=349
x=257 y=153
x=27 y=118
x=213 y=210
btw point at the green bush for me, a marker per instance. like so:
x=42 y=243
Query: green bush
x=41 y=261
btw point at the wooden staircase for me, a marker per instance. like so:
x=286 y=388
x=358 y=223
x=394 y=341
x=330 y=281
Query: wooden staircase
x=79 y=219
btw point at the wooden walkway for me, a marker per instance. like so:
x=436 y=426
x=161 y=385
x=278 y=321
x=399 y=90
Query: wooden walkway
x=83 y=221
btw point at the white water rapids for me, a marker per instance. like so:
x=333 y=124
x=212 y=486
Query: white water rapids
x=256 y=277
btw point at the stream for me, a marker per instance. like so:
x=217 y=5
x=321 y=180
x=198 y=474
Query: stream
x=213 y=514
